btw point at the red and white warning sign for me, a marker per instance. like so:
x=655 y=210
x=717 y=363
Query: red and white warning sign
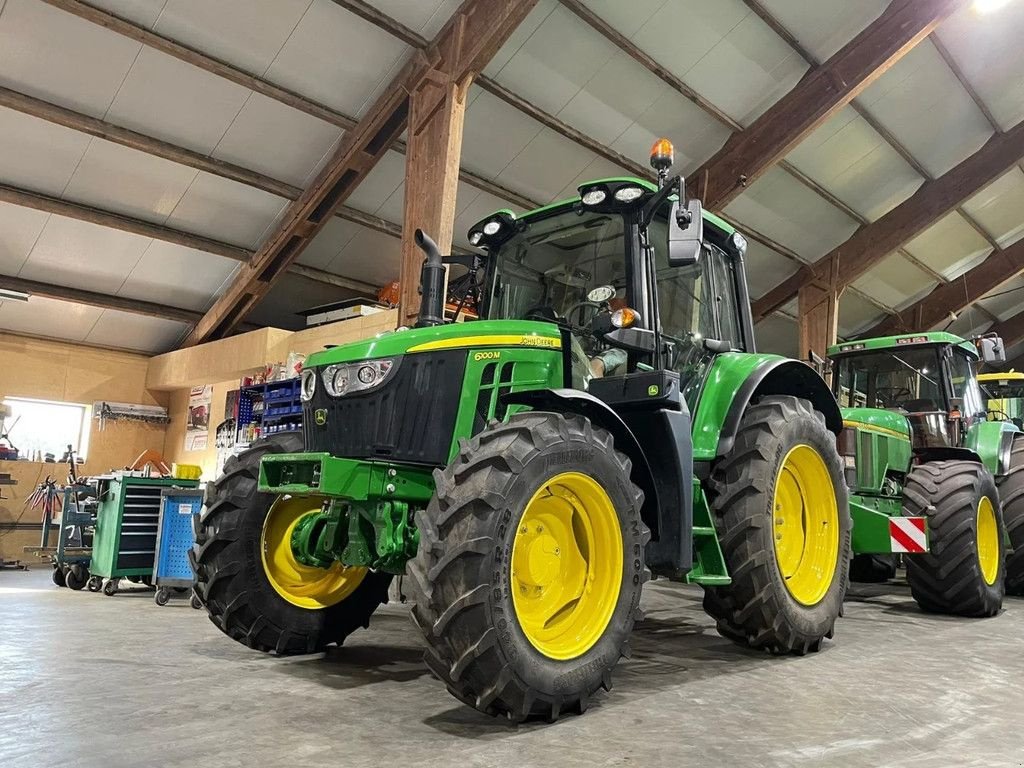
x=907 y=534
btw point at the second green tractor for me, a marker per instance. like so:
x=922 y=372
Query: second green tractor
x=932 y=481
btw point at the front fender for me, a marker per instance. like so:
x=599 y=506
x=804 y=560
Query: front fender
x=992 y=441
x=735 y=379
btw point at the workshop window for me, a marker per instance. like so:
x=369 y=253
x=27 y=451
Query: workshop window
x=41 y=427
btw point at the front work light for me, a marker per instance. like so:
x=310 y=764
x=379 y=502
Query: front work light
x=594 y=196
x=492 y=227
x=628 y=194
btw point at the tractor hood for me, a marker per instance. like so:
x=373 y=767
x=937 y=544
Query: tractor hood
x=877 y=420
x=481 y=333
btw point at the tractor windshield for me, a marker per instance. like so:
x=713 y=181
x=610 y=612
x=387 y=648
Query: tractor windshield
x=906 y=379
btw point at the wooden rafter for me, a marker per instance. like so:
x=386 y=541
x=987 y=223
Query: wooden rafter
x=227 y=71
x=469 y=39
x=102 y=300
x=872 y=243
x=957 y=295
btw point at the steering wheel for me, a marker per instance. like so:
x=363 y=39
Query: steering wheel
x=898 y=393
x=994 y=414
x=578 y=308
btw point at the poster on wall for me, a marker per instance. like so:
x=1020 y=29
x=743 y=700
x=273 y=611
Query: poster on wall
x=197 y=424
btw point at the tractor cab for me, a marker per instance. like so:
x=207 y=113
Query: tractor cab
x=928 y=380
x=637 y=285
x=1004 y=396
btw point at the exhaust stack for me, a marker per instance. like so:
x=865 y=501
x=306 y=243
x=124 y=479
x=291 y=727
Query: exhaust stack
x=431 y=282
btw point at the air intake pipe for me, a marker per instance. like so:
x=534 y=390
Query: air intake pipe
x=431 y=283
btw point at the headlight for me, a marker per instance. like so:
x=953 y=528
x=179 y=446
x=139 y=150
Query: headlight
x=308 y=384
x=475 y=238
x=349 y=378
x=628 y=194
x=594 y=196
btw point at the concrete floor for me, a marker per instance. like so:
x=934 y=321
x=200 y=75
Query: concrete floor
x=117 y=682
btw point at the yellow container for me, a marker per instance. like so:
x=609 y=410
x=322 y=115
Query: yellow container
x=186 y=471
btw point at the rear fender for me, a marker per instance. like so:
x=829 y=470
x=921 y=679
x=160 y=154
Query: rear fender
x=735 y=380
x=664 y=473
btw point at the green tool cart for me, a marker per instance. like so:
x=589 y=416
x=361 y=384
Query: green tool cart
x=126 y=526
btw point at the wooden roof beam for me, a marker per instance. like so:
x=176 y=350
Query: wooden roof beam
x=101 y=300
x=872 y=243
x=956 y=296
x=465 y=44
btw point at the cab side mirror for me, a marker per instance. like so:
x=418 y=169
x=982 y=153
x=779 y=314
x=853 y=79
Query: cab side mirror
x=685 y=234
x=992 y=349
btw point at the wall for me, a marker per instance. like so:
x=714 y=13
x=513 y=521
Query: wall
x=50 y=370
x=187 y=366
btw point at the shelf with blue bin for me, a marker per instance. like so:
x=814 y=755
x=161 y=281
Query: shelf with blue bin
x=267 y=409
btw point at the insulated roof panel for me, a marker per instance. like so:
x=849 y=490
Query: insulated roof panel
x=337 y=58
x=75 y=253
x=999 y=208
x=778 y=335
x=19 y=230
x=765 y=268
x=487 y=118
x=56 y=56
x=895 y=282
x=920 y=101
x=856 y=314
x=177 y=276
x=370 y=256
x=246 y=33
x=127 y=181
x=274 y=139
x=379 y=185
x=824 y=26
x=36 y=154
x=851 y=160
x=545 y=164
x=785 y=210
x=968 y=323
x=128 y=330
x=950 y=246
x=328 y=243
x=142 y=12
x=226 y=210
x=166 y=98
x=423 y=16
x=1006 y=300
x=986 y=48
x=48 y=317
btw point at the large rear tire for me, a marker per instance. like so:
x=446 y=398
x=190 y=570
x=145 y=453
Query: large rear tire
x=780 y=505
x=1011 y=494
x=962 y=573
x=530 y=564
x=229 y=558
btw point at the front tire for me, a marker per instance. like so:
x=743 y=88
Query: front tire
x=530 y=565
x=962 y=573
x=1011 y=494
x=231 y=566
x=780 y=505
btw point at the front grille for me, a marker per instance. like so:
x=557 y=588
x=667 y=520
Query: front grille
x=410 y=418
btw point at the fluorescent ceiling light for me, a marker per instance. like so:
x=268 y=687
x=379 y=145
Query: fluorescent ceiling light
x=6 y=293
x=987 y=6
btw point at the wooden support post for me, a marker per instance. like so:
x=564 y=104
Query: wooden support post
x=818 y=303
x=437 y=109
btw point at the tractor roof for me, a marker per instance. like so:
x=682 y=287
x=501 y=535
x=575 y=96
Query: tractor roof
x=935 y=338
x=1001 y=376
x=720 y=228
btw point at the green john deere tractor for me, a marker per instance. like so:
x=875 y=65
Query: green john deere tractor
x=605 y=418
x=1004 y=401
x=926 y=469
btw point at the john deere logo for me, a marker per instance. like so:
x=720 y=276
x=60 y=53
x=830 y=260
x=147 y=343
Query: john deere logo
x=320 y=416
x=652 y=391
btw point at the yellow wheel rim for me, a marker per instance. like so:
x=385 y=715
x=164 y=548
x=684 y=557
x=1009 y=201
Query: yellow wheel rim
x=988 y=540
x=299 y=584
x=567 y=565
x=805 y=525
